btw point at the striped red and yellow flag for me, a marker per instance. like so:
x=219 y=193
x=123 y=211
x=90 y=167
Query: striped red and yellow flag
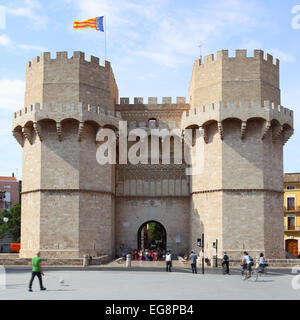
x=94 y=23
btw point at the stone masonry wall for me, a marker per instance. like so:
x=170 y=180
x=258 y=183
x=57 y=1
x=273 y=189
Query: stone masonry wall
x=224 y=78
x=68 y=80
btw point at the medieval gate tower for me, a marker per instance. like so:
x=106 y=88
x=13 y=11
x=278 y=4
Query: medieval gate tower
x=71 y=205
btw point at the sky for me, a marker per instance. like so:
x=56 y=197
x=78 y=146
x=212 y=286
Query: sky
x=152 y=45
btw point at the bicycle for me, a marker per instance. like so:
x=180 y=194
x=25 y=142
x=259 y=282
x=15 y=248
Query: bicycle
x=255 y=273
x=263 y=271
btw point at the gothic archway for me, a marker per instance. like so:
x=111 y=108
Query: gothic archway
x=152 y=235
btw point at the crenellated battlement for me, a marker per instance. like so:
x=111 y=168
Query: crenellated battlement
x=223 y=55
x=242 y=110
x=221 y=77
x=60 y=111
x=153 y=101
x=70 y=79
x=63 y=58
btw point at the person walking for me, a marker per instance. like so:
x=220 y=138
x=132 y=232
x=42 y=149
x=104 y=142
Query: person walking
x=37 y=270
x=225 y=263
x=193 y=261
x=168 y=261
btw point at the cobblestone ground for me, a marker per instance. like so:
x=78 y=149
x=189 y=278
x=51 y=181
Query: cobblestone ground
x=146 y=284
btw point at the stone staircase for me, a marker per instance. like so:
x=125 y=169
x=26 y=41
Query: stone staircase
x=178 y=263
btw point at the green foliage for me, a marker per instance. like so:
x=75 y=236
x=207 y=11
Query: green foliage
x=13 y=226
x=156 y=231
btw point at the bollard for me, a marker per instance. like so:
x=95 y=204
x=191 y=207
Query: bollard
x=128 y=260
x=85 y=260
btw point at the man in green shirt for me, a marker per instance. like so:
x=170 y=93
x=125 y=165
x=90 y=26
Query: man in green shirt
x=37 y=270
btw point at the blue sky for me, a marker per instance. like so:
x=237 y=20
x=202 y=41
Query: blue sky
x=152 y=45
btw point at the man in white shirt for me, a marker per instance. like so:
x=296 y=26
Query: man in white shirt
x=168 y=261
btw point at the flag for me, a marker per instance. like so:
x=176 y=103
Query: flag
x=95 y=23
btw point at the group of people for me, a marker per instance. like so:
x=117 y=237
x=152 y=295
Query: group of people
x=156 y=255
x=246 y=264
x=148 y=255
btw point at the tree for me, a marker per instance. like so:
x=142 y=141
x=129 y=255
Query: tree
x=13 y=225
x=156 y=231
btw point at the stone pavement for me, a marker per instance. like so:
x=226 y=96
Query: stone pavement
x=145 y=284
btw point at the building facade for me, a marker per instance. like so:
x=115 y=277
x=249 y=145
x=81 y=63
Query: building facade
x=71 y=205
x=292 y=213
x=11 y=187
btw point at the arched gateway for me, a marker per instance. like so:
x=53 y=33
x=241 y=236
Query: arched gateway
x=152 y=235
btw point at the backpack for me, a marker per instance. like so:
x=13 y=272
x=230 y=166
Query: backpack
x=225 y=258
x=251 y=263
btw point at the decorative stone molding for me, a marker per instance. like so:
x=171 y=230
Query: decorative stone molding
x=220 y=129
x=277 y=132
x=19 y=137
x=58 y=131
x=38 y=131
x=150 y=172
x=80 y=130
x=27 y=134
x=243 y=129
x=266 y=129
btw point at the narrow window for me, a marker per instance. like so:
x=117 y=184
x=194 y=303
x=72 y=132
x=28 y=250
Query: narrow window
x=291 y=223
x=291 y=203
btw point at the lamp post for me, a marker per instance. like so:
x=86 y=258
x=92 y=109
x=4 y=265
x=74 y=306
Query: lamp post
x=200 y=243
x=2 y=198
x=202 y=253
x=215 y=245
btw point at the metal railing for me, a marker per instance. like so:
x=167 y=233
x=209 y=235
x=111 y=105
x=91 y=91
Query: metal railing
x=292 y=209
x=291 y=229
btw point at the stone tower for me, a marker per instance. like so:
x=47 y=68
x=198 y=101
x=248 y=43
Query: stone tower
x=67 y=205
x=72 y=206
x=238 y=197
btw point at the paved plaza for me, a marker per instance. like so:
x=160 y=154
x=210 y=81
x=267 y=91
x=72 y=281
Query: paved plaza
x=107 y=283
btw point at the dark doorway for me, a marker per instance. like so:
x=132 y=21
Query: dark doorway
x=152 y=235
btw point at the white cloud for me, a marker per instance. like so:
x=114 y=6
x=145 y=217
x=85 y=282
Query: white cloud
x=250 y=45
x=11 y=94
x=282 y=56
x=92 y=8
x=170 y=35
x=29 y=10
x=5 y=41
x=30 y=47
x=277 y=53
